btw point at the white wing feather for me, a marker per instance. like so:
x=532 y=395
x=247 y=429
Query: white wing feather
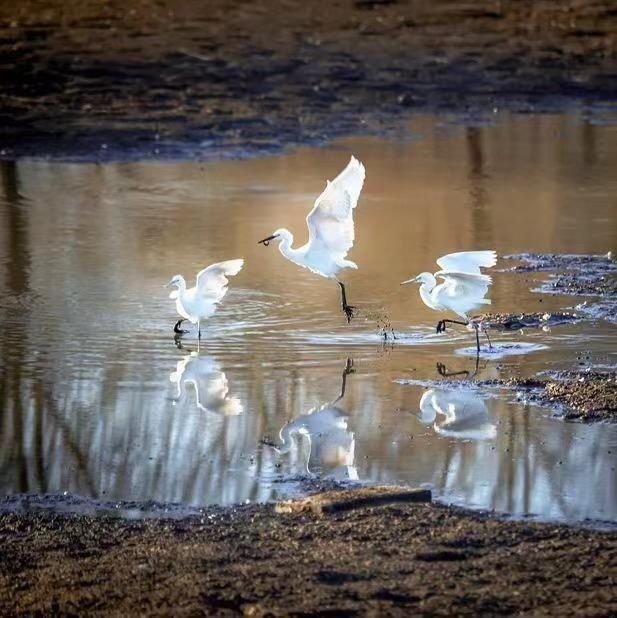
x=467 y=261
x=330 y=222
x=212 y=281
x=465 y=289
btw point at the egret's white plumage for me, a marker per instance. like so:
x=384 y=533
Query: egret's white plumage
x=464 y=285
x=462 y=414
x=198 y=303
x=331 y=228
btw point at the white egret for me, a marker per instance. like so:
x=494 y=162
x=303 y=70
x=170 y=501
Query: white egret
x=331 y=230
x=463 y=288
x=198 y=303
x=464 y=414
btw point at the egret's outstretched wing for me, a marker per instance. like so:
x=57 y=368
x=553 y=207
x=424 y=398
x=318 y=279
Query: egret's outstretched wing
x=467 y=261
x=465 y=286
x=212 y=281
x=330 y=222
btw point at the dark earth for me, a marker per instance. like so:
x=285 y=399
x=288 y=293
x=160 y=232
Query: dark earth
x=401 y=559
x=585 y=396
x=86 y=79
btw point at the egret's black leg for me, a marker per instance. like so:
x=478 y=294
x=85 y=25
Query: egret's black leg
x=348 y=369
x=441 y=325
x=477 y=329
x=490 y=346
x=348 y=310
x=177 y=329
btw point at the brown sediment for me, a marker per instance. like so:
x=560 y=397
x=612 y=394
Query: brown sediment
x=397 y=560
x=584 y=396
x=156 y=78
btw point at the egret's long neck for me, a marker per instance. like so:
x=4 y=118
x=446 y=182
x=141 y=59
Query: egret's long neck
x=181 y=288
x=285 y=436
x=425 y=291
x=285 y=246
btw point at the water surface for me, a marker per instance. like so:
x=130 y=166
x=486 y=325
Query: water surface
x=97 y=400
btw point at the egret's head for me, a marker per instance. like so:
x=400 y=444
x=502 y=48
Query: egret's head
x=281 y=234
x=421 y=278
x=175 y=281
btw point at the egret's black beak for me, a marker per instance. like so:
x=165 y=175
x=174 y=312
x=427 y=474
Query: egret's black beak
x=266 y=241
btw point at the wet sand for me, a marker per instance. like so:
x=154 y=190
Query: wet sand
x=398 y=559
x=117 y=80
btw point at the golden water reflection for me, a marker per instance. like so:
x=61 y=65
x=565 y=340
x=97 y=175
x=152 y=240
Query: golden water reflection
x=96 y=400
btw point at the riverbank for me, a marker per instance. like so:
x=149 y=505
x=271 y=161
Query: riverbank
x=99 y=81
x=395 y=559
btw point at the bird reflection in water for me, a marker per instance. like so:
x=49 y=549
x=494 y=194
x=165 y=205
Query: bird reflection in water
x=319 y=442
x=461 y=414
x=210 y=383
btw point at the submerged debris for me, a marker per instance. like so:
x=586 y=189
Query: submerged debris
x=581 y=275
x=516 y=321
x=351 y=499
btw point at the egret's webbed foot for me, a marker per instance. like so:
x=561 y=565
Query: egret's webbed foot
x=349 y=311
x=178 y=330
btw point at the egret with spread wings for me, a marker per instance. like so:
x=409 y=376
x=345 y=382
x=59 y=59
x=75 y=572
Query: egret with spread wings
x=198 y=303
x=331 y=230
x=463 y=289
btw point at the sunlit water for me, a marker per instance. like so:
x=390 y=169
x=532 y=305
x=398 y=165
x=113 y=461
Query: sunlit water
x=97 y=400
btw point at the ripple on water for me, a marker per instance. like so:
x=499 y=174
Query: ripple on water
x=502 y=349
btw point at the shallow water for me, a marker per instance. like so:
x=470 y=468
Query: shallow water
x=97 y=400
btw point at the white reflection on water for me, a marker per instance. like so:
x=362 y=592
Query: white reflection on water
x=464 y=413
x=320 y=441
x=204 y=374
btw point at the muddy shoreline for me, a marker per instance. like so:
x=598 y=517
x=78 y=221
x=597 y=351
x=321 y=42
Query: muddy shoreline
x=392 y=559
x=105 y=81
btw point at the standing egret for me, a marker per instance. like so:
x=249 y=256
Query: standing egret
x=463 y=288
x=331 y=230
x=198 y=303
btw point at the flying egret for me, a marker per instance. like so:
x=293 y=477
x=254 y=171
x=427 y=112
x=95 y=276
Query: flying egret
x=331 y=230
x=463 y=288
x=198 y=303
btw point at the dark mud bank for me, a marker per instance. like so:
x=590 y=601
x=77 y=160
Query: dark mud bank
x=114 y=80
x=590 y=277
x=398 y=559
